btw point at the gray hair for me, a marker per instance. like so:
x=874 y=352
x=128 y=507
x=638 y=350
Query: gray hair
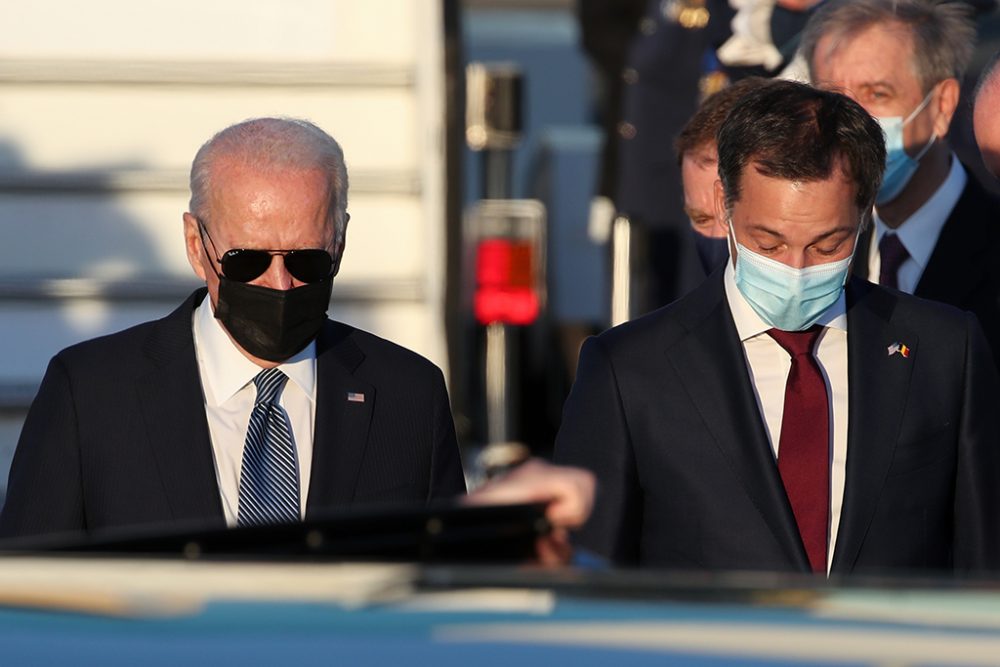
x=943 y=33
x=266 y=143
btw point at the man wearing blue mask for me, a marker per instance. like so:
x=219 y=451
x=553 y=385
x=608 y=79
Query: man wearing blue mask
x=787 y=416
x=935 y=229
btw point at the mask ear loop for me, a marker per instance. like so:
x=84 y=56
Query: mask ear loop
x=920 y=107
x=731 y=238
x=914 y=114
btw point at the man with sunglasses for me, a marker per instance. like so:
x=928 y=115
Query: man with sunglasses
x=246 y=405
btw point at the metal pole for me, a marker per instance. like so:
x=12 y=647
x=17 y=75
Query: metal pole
x=621 y=270
x=497 y=384
x=497 y=167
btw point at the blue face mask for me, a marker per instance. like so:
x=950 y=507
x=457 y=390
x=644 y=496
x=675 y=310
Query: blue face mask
x=899 y=167
x=784 y=297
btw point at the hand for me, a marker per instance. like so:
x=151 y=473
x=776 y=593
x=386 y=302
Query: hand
x=569 y=493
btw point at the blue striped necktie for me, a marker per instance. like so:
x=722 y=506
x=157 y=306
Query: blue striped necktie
x=269 y=480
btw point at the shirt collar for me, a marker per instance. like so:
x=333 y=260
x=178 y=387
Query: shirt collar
x=226 y=370
x=919 y=233
x=748 y=322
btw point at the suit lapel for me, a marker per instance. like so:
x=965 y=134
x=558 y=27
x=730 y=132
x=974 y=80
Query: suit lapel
x=878 y=385
x=958 y=261
x=711 y=364
x=344 y=405
x=173 y=410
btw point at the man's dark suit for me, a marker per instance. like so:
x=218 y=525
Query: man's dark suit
x=963 y=269
x=118 y=436
x=663 y=411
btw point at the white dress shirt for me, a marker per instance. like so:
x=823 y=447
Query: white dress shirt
x=768 y=364
x=919 y=233
x=227 y=380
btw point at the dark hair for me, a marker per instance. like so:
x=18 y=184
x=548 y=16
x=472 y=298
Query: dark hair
x=796 y=132
x=702 y=127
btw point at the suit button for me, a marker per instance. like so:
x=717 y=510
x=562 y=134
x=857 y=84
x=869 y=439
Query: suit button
x=626 y=130
x=647 y=26
x=630 y=76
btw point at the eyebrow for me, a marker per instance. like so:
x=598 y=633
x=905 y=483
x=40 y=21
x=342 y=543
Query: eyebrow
x=779 y=235
x=845 y=90
x=697 y=213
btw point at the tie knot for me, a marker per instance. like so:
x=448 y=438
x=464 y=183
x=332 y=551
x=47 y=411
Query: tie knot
x=269 y=382
x=797 y=343
x=892 y=253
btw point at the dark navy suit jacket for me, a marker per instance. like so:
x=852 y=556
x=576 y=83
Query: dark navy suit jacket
x=664 y=413
x=963 y=269
x=117 y=435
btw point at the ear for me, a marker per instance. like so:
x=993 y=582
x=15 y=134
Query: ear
x=945 y=103
x=719 y=201
x=193 y=246
x=339 y=251
x=722 y=218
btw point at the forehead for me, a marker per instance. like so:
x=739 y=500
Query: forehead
x=699 y=174
x=268 y=205
x=705 y=156
x=878 y=52
x=796 y=210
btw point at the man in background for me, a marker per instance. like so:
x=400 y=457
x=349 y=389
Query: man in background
x=935 y=229
x=698 y=158
x=986 y=117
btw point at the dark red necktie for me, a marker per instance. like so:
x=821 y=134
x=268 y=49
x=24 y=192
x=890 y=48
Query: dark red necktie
x=891 y=254
x=804 y=446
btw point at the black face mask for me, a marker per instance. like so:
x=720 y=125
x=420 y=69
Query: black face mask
x=713 y=253
x=272 y=324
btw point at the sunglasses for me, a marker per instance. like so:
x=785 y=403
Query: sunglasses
x=310 y=265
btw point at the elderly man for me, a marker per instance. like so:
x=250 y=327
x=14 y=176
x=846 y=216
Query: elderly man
x=934 y=224
x=698 y=158
x=986 y=116
x=246 y=405
x=785 y=416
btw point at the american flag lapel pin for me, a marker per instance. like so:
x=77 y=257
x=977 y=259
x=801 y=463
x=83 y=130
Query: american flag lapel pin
x=355 y=397
x=899 y=348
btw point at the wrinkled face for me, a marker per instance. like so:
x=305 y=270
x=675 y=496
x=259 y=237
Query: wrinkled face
x=273 y=210
x=987 y=125
x=877 y=69
x=699 y=172
x=799 y=224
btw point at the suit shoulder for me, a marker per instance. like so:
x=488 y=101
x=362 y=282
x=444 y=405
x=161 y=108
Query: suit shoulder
x=154 y=337
x=386 y=356
x=920 y=310
x=912 y=311
x=668 y=323
x=110 y=348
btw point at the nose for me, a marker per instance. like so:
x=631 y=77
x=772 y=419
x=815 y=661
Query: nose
x=796 y=259
x=277 y=275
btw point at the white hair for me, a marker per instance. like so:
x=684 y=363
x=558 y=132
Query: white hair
x=268 y=143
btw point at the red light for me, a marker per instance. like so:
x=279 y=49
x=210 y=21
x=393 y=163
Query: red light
x=505 y=289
